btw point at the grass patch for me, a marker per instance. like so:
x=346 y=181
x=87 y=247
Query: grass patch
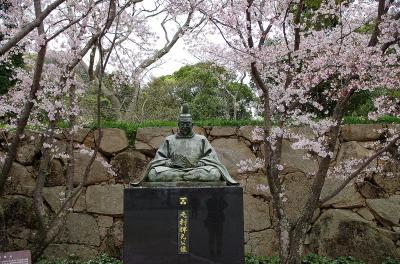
x=313 y=259
x=102 y=259
x=364 y=120
x=224 y=122
x=260 y=260
x=249 y=259
x=131 y=128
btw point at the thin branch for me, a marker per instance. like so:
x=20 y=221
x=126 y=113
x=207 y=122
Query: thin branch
x=72 y=22
x=164 y=29
x=225 y=39
x=359 y=170
x=250 y=41
x=381 y=11
x=29 y=27
x=28 y=105
x=299 y=10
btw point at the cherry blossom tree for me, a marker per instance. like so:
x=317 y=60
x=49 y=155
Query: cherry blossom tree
x=139 y=48
x=291 y=48
x=114 y=32
x=63 y=38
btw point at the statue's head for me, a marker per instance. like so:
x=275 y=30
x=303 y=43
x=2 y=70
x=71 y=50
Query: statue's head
x=185 y=122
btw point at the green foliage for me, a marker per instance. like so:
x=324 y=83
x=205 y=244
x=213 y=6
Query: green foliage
x=211 y=92
x=361 y=102
x=225 y=122
x=261 y=260
x=7 y=69
x=131 y=128
x=364 y=120
x=102 y=259
x=391 y=261
x=249 y=259
x=313 y=21
x=123 y=92
x=313 y=259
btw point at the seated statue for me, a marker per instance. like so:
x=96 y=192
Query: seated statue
x=186 y=156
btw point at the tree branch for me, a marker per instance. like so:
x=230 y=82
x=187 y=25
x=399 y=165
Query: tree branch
x=359 y=170
x=299 y=10
x=28 y=105
x=381 y=11
x=29 y=27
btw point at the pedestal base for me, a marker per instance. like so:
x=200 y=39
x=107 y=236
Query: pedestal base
x=188 y=225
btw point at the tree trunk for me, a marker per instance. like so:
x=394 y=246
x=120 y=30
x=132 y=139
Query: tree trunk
x=26 y=112
x=294 y=251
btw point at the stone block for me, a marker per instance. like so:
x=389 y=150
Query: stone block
x=107 y=199
x=344 y=233
x=113 y=141
x=20 y=180
x=352 y=150
x=223 y=131
x=230 y=152
x=56 y=177
x=247 y=133
x=257 y=184
x=263 y=243
x=129 y=165
x=98 y=173
x=256 y=214
x=54 y=196
x=366 y=214
x=389 y=178
x=347 y=198
x=361 y=132
x=65 y=251
x=149 y=139
x=81 y=134
x=387 y=211
x=80 y=229
x=29 y=147
x=297 y=158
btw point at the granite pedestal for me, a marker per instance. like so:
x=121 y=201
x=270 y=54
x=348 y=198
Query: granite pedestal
x=186 y=224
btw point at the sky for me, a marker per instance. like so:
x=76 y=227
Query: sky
x=177 y=57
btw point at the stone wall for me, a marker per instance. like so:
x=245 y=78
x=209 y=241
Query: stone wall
x=362 y=221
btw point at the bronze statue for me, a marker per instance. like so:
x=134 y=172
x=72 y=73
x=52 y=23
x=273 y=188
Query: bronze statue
x=186 y=156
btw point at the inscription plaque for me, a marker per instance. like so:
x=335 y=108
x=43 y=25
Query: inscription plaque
x=183 y=232
x=15 y=257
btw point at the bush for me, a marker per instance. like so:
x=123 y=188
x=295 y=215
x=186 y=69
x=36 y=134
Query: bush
x=364 y=120
x=249 y=259
x=102 y=259
x=391 y=261
x=261 y=260
x=131 y=128
x=313 y=259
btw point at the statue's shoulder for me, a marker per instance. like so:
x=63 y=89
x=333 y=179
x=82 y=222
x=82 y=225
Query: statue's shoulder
x=199 y=137
x=170 y=137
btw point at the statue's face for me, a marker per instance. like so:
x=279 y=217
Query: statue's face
x=185 y=128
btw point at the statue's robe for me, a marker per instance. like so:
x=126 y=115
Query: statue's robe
x=198 y=150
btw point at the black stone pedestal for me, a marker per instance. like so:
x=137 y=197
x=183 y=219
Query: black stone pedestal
x=183 y=225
